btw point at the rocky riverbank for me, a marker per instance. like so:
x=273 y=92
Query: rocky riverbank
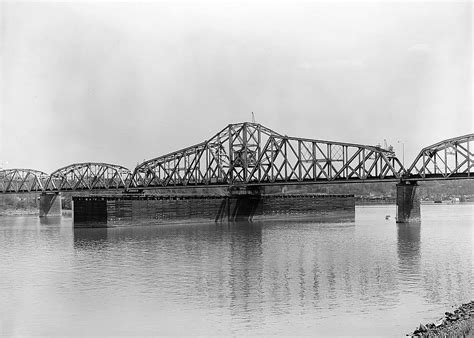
x=456 y=324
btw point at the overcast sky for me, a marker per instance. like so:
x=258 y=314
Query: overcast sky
x=120 y=83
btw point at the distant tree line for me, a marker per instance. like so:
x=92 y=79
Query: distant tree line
x=455 y=188
x=427 y=190
x=19 y=201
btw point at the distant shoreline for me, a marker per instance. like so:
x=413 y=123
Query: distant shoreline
x=19 y=212
x=27 y=212
x=358 y=202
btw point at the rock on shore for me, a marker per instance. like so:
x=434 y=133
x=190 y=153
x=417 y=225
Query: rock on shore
x=457 y=324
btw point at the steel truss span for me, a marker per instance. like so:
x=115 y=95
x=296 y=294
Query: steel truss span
x=448 y=159
x=251 y=154
x=22 y=180
x=89 y=176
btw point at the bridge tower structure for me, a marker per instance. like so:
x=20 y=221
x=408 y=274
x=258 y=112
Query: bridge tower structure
x=246 y=158
x=246 y=155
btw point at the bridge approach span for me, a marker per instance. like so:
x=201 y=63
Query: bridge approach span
x=22 y=180
x=448 y=159
x=88 y=176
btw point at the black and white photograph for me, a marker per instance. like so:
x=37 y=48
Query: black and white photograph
x=236 y=168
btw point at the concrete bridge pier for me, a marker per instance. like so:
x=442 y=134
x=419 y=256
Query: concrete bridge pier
x=50 y=204
x=243 y=202
x=408 y=202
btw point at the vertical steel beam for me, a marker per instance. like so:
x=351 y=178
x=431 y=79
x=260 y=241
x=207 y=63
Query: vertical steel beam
x=445 y=161
x=364 y=161
x=231 y=154
x=345 y=158
x=423 y=172
x=285 y=163
x=468 y=159
x=300 y=176
x=245 y=155
x=272 y=160
x=314 y=160
x=329 y=161
x=456 y=156
x=259 y=152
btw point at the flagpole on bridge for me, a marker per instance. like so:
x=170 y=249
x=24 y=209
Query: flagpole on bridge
x=403 y=152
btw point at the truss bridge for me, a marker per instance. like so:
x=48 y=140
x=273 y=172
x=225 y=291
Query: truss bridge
x=250 y=155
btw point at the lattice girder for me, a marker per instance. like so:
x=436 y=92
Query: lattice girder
x=89 y=176
x=249 y=153
x=448 y=159
x=22 y=180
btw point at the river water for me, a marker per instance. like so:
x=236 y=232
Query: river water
x=366 y=277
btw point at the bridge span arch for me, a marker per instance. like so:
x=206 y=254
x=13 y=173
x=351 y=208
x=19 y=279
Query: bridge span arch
x=251 y=154
x=448 y=159
x=88 y=176
x=22 y=180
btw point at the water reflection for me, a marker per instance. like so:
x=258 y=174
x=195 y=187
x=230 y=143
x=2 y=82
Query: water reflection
x=90 y=239
x=246 y=267
x=51 y=220
x=278 y=277
x=408 y=249
x=90 y=224
x=245 y=270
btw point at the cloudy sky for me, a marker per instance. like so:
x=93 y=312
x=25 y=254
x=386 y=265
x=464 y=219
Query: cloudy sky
x=123 y=82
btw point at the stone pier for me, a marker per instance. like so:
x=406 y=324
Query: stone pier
x=50 y=204
x=408 y=202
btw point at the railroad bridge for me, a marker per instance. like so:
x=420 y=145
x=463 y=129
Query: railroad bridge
x=245 y=158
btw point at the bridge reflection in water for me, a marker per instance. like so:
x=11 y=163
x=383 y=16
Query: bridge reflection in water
x=276 y=277
x=408 y=249
x=250 y=269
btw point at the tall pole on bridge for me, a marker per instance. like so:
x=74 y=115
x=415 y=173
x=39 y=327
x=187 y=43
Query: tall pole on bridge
x=403 y=153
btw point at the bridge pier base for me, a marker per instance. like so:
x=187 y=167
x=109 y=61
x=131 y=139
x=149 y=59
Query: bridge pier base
x=243 y=202
x=244 y=205
x=50 y=204
x=408 y=202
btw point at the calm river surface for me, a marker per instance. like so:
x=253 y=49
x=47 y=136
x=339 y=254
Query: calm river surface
x=368 y=277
